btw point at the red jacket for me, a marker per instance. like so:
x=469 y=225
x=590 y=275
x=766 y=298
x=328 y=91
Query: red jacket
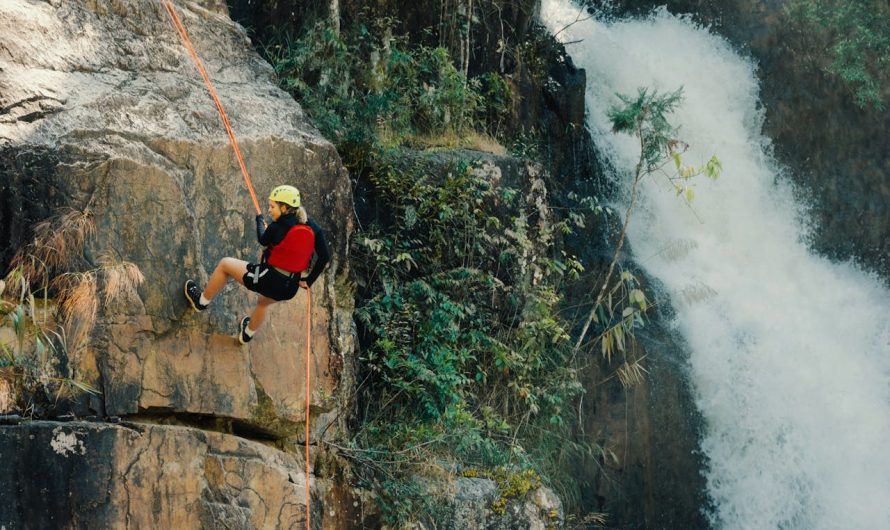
x=294 y=252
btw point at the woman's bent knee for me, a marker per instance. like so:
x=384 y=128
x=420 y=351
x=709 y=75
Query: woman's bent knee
x=229 y=265
x=233 y=268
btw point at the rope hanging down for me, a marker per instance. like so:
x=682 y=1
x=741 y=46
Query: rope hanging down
x=308 y=394
x=177 y=24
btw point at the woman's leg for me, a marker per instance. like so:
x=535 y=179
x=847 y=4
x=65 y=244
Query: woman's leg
x=225 y=269
x=259 y=313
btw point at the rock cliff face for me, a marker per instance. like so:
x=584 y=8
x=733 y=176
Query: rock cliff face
x=102 y=111
x=90 y=475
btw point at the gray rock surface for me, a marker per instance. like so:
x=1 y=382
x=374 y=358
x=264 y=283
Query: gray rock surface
x=101 y=109
x=90 y=475
x=470 y=504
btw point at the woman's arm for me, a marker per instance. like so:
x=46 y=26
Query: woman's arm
x=260 y=228
x=322 y=253
x=272 y=234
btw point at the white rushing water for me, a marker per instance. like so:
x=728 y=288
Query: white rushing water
x=790 y=353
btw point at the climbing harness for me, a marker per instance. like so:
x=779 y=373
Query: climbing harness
x=256 y=274
x=183 y=35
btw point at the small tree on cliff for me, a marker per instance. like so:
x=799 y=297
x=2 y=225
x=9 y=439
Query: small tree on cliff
x=645 y=117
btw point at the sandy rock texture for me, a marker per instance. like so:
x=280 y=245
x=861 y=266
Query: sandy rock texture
x=92 y=475
x=101 y=110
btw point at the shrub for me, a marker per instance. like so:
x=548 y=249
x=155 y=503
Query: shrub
x=51 y=300
x=858 y=34
x=464 y=353
x=366 y=89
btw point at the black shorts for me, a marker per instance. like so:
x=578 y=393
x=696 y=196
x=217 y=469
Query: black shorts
x=268 y=281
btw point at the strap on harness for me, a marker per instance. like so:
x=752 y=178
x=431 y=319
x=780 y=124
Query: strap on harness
x=256 y=274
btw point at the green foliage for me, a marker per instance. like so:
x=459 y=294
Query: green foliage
x=645 y=116
x=536 y=52
x=498 y=97
x=403 y=498
x=512 y=484
x=620 y=316
x=365 y=88
x=527 y=144
x=858 y=33
x=446 y=306
x=315 y=68
x=464 y=353
x=682 y=181
x=619 y=307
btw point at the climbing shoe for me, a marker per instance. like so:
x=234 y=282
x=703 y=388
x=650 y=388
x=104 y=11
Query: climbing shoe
x=243 y=337
x=193 y=294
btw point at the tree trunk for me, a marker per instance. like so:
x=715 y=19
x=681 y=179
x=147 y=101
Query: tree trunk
x=334 y=15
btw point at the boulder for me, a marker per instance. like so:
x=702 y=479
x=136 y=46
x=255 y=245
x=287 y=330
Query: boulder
x=103 y=112
x=472 y=503
x=94 y=475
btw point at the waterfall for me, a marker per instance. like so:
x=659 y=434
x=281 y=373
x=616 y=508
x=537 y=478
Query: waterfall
x=789 y=352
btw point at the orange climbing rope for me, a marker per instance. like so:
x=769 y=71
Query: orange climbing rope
x=308 y=394
x=177 y=24
x=180 y=29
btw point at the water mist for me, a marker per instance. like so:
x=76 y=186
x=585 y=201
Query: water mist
x=789 y=352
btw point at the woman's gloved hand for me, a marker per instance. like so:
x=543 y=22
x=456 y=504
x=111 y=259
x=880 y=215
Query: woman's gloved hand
x=260 y=225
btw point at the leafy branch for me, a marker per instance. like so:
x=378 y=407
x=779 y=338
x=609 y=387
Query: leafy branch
x=645 y=116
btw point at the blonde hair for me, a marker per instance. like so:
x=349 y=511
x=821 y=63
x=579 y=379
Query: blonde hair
x=301 y=214
x=299 y=211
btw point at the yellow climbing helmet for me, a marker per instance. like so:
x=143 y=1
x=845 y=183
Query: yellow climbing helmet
x=289 y=195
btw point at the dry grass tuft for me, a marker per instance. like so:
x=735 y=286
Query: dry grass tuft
x=632 y=374
x=17 y=284
x=452 y=140
x=121 y=278
x=79 y=306
x=58 y=242
x=678 y=249
x=596 y=519
x=484 y=143
x=695 y=293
